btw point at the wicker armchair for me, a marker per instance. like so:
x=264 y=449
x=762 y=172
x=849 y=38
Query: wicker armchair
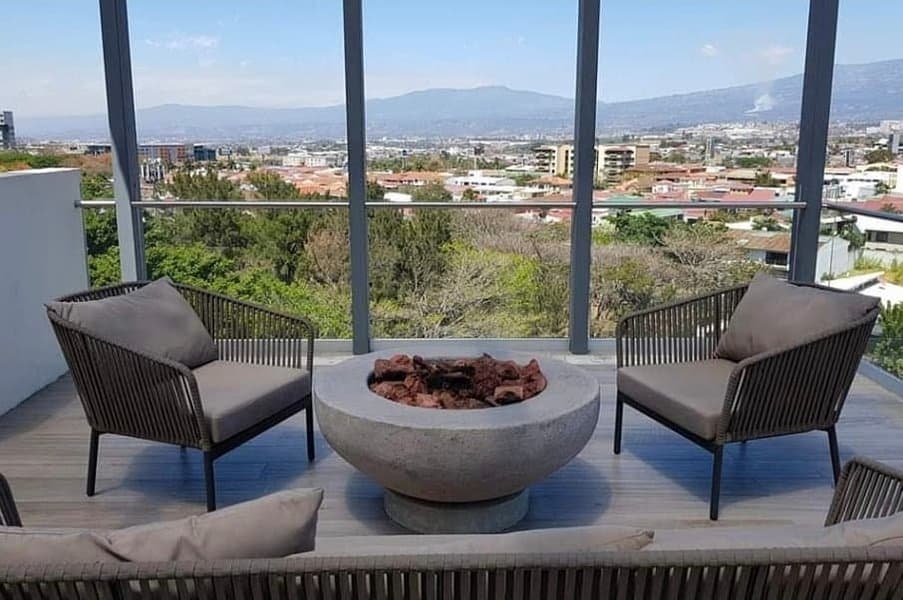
x=866 y=490
x=131 y=393
x=786 y=390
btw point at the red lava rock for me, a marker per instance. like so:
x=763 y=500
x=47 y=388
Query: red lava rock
x=461 y=383
x=508 y=394
x=396 y=367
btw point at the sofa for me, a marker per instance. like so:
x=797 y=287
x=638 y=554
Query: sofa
x=858 y=554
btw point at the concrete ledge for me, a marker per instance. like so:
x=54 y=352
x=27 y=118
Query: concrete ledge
x=888 y=381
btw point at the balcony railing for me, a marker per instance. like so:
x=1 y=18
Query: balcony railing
x=558 y=270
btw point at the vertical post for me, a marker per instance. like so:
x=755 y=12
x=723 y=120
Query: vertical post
x=814 y=119
x=584 y=159
x=357 y=183
x=117 y=63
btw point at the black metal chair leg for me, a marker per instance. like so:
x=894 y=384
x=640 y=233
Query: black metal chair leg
x=619 y=422
x=835 y=453
x=211 y=483
x=92 y=462
x=309 y=414
x=716 y=483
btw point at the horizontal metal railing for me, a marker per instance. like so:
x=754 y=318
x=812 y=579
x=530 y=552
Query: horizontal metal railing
x=852 y=209
x=294 y=204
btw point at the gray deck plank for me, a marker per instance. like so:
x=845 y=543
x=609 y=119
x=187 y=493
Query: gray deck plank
x=660 y=480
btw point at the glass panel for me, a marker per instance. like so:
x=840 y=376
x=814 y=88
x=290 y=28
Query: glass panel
x=706 y=110
x=293 y=260
x=239 y=86
x=438 y=273
x=865 y=148
x=459 y=111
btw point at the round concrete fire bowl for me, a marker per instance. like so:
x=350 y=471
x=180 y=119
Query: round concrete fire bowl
x=456 y=471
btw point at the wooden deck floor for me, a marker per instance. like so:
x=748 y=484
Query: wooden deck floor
x=660 y=480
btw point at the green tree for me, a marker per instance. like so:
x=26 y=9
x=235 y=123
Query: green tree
x=766 y=223
x=643 y=228
x=192 y=264
x=753 y=162
x=431 y=192
x=96 y=185
x=279 y=235
x=889 y=349
x=221 y=229
x=880 y=155
x=470 y=195
x=764 y=179
x=525 y=179
x=676 y=156
x=881 y=188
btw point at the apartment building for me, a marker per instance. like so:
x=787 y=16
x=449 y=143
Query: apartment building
x=611 y=161
x=7 y=130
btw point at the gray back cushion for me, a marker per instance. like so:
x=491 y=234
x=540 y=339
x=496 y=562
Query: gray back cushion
x=559 y=540
x=270 y=527
x=154 y=319
x=775 y=314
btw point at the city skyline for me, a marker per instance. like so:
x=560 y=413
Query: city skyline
x=278 y=54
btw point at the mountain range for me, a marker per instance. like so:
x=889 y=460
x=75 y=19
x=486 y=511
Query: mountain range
x=861 y=93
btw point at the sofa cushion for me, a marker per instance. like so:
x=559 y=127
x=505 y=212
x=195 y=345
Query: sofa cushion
x=154 y=319
x=563 y=540
x=688 y=394
x=237 y=395
x=775 y=314
x=887 y=531
x=269 y=527
x=30 y=545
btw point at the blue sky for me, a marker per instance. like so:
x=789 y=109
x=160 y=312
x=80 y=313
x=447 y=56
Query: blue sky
x=289 y=52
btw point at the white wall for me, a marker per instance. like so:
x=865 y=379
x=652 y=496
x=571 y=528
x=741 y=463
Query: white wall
x=42 y=256
x=834 y=257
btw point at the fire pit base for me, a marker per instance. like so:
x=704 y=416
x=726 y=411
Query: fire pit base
x=486 y=516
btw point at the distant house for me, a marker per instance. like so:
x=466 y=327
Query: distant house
x=773 y=248
x=871 y=284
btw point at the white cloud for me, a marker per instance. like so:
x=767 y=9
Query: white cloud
x=182 y=42
x=776 y=53
x=709 y=50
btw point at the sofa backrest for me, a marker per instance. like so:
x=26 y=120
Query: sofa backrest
x=817 y=572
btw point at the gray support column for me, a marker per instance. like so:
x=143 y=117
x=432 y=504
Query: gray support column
x=357 y=182
x=584 y=168
x=117 y=62
x=814 y=119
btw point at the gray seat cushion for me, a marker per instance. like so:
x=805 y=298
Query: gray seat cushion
x=237 y=396
x=565 y=540
x=887 y=531
x=775 y=314
x=154 y=319
x=688 y=394
x=270 y=527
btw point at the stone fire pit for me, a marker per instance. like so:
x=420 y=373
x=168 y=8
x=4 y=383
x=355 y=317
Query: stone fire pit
x=456 y=471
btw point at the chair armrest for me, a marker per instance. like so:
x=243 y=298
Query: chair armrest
x=129 y=392
x=681 y=331
x=794 y=389
x=9 y=515
x=866 y=490
x=247 y=332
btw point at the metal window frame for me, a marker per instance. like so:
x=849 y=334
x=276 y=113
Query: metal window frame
x=814 y=119
x=584 y=173
x=355 y=122
x=117 y=63
x=815 y=115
